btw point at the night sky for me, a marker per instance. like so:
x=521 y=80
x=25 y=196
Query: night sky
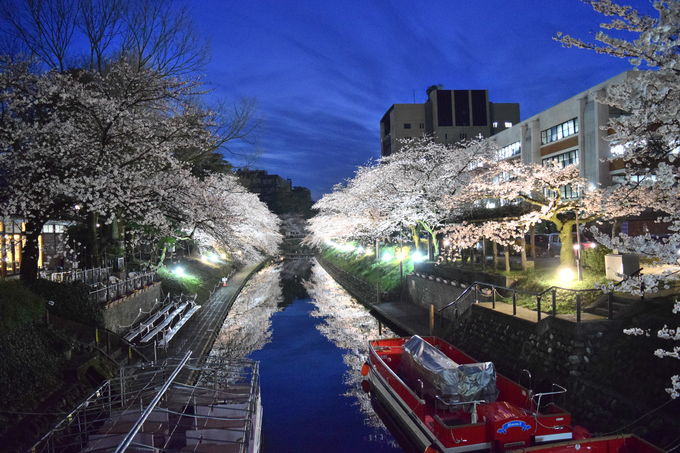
x=324 y=72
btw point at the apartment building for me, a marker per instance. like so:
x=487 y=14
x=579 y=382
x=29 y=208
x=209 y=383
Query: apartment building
x=448 y=115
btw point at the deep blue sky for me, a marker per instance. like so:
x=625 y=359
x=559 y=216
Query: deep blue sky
x=324 y=72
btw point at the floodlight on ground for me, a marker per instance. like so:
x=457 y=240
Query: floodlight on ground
x=179 y=271
x=387 y=256
x=402 y=253
x=359 y=249
x=565 y=274
x=417 y=257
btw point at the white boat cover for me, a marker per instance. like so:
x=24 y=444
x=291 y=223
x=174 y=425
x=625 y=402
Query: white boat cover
x=441 y=376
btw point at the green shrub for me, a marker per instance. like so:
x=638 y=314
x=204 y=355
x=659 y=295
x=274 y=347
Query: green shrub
x=71 y=301
x=593 y=259
x=199 y=277
x=385 y=274
x=18 y=305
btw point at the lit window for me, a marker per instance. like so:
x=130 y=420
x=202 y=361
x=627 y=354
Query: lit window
x=508 y=124
x=560 y=131
x=495 y=124
x=514 y=149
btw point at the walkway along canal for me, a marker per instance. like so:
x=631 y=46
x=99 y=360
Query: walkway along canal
x=310 y=337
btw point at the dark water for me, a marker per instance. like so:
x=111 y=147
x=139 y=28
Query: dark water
x=310 y=350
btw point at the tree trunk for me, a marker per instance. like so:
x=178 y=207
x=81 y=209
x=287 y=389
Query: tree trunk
x=494 y=249
x=483 y=253
x=416 y=237
x=523 y=253
x=567 y=248
x=30 y=251
x=507 y=259
x=533 y=242
x=93 y=239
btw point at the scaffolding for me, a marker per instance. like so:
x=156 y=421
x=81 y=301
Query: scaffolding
x=148 y=409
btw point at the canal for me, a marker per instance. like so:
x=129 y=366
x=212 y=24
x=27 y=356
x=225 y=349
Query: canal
x=310 y=338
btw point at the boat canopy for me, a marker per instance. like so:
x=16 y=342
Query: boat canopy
x=426 y=369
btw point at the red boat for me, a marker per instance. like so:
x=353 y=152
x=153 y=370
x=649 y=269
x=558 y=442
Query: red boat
x=449 y=402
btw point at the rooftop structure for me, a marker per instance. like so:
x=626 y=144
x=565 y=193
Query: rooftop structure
x=448 y=115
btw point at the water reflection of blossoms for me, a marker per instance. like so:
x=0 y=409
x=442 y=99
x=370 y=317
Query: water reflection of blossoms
x=247 y=328
x=349 y=326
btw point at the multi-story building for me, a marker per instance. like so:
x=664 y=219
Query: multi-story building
x=574 y=132
x=448 y=115
x=571 y=132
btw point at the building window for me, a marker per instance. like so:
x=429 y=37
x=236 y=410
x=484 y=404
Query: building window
x=407 y=125
x=462 y=136
x=495 y=124
x=507 y=124
x=446 y=136
x=567 y=158
x=559 y=132
x=513 y=149
x=422 y=125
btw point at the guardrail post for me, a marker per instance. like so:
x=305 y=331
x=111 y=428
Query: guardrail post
x=493 y=298
x=554 y=303
x=431 y=318
x=610 y=306
x=578 y=307
x=514 y=303
x=538 y=307
x=476 y=294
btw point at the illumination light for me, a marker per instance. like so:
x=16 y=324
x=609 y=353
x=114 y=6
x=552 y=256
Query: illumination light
x=402 y=253
x=446 y=242
x=565 y=274
x=387 y=256
x=577 y=246
x=417 y=257
x=369 y=252
x=179 y=271
x=359 y=249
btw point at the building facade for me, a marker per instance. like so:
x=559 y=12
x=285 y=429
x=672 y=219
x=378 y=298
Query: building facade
x=51 y=245
x=447 y=115
x=571 y=132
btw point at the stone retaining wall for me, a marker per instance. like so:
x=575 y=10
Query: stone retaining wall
x=612 y=378
x=427 y=291
x=121 y=313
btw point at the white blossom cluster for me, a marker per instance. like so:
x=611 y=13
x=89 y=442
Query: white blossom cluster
x=107 y=143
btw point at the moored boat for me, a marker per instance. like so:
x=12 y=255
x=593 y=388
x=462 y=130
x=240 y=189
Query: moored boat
x=449 y=402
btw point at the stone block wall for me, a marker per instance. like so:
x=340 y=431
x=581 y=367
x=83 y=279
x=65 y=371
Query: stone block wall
x=612 y=378
x=120 y=314
x=426 y=291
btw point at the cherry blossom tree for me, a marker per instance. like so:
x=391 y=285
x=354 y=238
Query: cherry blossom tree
x=405 y=191
x=646 y=135
x=554 y=193
x=91 y=143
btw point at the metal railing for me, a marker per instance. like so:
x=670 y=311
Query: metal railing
x=89 y=276
x=491 y=291
x=122 y=288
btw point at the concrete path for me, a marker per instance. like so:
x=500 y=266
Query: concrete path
x=411 y=319
x=199 y=334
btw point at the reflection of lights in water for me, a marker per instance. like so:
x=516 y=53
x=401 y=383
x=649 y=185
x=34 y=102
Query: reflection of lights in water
x=349 y=326
x=247 y=328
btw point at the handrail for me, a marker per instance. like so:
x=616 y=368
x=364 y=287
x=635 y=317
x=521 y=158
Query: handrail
x=463 y=294
x=538 y=295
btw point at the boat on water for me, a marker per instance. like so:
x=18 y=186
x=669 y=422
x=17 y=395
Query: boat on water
x=448 y=402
